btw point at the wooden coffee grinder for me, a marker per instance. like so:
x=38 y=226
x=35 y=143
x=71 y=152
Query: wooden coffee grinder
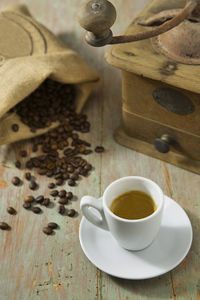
x=160 y=76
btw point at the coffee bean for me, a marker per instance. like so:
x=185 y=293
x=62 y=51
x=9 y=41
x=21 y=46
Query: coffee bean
x=32 y=129
x=71 y=182
x=52 y=225
x=42 y=172
x=29 y=164
x=11 y=211
x=39 y=199
x=62 y=193
x=99 y=149
x=70 y=169
x=61 y=209
x=84 y=172
x=4 y=226
x=63 y=200
x=65 y=176
x=46 y=202
x=23 y=153
x=28 y=176
x=35 y=148
x=71 y=212
x=69 y=195
x=86 y=152
x=58 y=176
x=29 y=199
x=16 y=181
x=82 y=149
x=88 y=167
x=18 y=164
x=51 y=185
x=59 y=181
x=86 y=144
x=49 y=173
x=74 y=136
x=74 y=176
x=36 y=210
x=33 y=185
x=54 y=193
x=15 y=127
x=47 y=230
x=27 y=205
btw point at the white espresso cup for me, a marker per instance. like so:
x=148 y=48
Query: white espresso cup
x=130 y=234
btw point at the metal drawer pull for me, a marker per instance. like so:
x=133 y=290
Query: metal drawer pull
x=163 y=143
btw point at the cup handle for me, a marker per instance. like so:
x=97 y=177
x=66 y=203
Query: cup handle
x=86 y=203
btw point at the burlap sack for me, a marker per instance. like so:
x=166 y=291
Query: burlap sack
x=29 y=53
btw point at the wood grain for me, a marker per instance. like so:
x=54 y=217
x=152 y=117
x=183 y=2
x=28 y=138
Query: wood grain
x=34 y=266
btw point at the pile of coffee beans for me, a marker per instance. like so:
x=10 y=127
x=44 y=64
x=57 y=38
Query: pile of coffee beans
x=59 y=153
x=50 y=102
x=62 y=156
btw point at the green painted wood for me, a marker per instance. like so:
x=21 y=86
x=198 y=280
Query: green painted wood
x=34 y=266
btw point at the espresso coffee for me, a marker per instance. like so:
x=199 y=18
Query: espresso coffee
x=133 y=205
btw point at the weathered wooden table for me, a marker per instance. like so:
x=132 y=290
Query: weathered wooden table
x=35 y=266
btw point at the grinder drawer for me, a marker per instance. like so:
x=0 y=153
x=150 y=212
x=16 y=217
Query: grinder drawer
x=152 y=132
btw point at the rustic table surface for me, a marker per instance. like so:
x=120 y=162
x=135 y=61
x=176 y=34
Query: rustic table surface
x=35 y=266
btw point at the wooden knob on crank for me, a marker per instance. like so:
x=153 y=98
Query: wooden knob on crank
x=163 y=144
x=97 y=16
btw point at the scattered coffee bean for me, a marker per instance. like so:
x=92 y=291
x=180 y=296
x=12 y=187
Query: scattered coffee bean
x=42 y=172
x=28 y=176
x=69 y=195
x=99 y=149
x=39 y=110
x=86 y=152
x=39 y=199
x=49 y=173
x=29 y=164
x=29 y=199
x=71 y=182
x=4 y=226
x=70 y=169
x=71 y=212
x=74 y=176
x=47 y=230
x=36 y=210
x=16 y=181
x=59 y=181
x=58 y=176
x=54 y=193
x=61 y=209
x=62 y=193
x=11 y=210
x=65 y=176
x=51 y=185
x=88 y=167
x=15 y=127
x=27 y=205
x=63 y=200
x=46 y=202
x=23 y=153
x=52 y=225
x=18 y=164
x=33 y=185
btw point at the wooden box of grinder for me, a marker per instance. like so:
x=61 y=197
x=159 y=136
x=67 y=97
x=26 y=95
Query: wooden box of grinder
x=160 y=98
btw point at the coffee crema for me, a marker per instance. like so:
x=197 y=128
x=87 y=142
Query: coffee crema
x=133 y=205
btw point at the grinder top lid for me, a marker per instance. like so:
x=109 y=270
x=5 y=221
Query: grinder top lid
x=157 y=58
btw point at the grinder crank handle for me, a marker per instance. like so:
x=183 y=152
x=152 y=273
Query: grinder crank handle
x=97 y=17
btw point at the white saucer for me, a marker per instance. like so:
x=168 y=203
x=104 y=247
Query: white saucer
x=165 y=253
